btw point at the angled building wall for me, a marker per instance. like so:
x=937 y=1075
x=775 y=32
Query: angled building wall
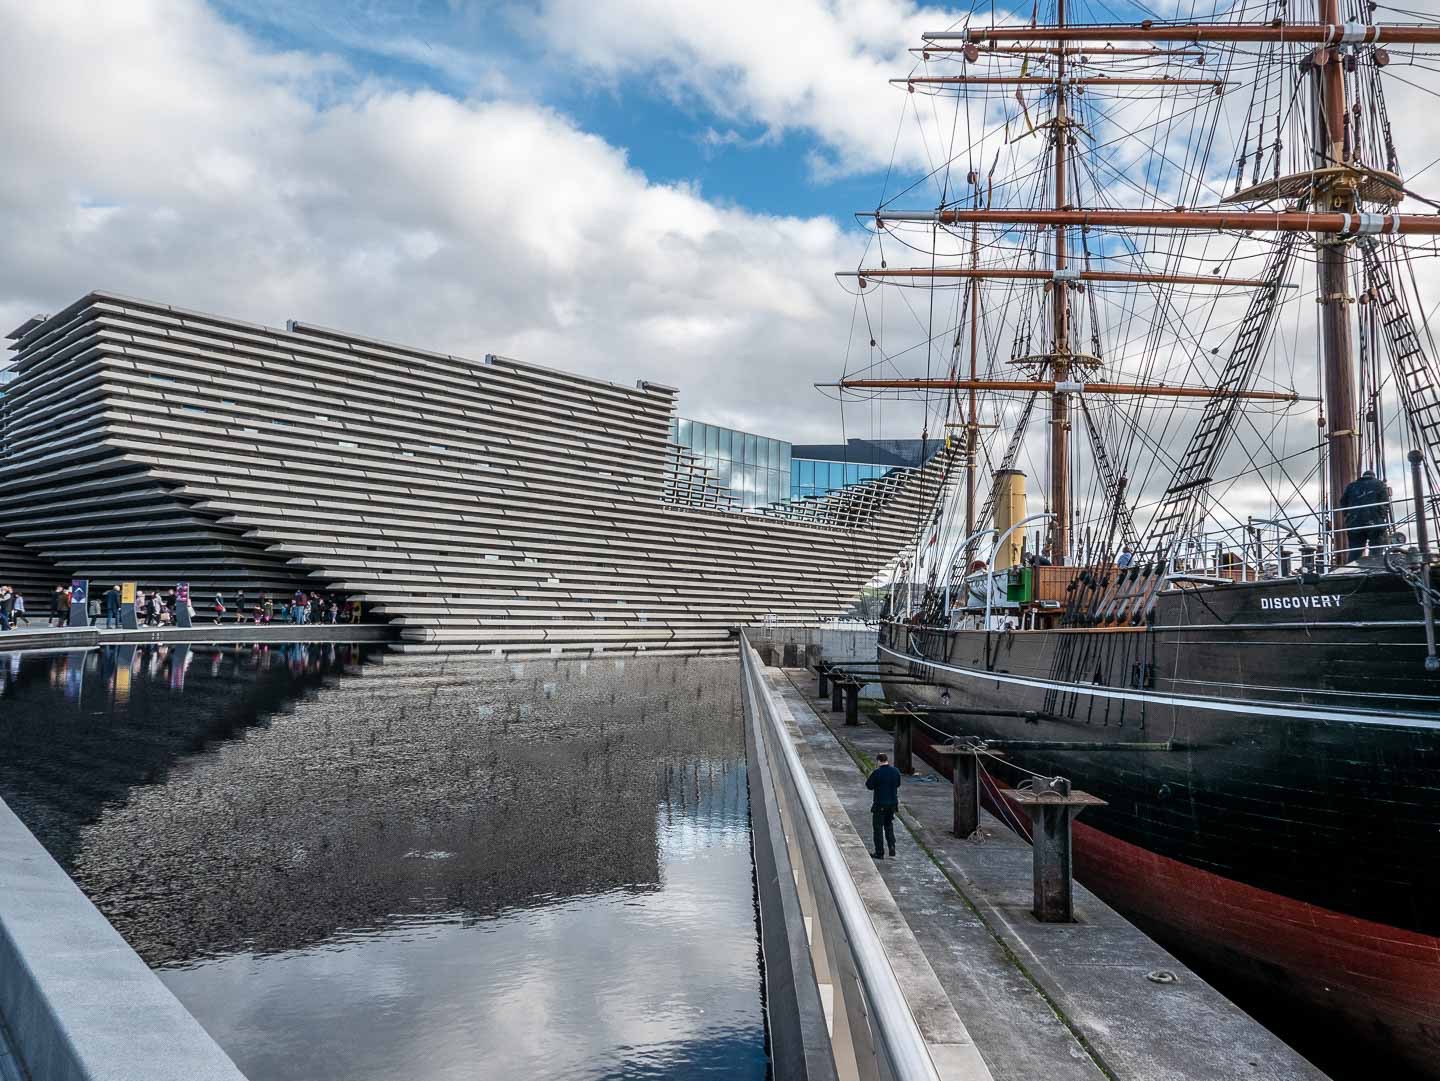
x=469 y=501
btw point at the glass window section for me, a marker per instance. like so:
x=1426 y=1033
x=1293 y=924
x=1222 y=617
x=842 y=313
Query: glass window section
x=684 y=434
x=852 y=474
x=752 y=452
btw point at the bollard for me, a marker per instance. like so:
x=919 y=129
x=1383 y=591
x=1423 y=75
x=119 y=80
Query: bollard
x=1052 y=807
x=904 y=743
x=822 y=671
x=965 y=785
x=852 y=702
x=837 y=690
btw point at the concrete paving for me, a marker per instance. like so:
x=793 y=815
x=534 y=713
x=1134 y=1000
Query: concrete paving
x=1063 y=1001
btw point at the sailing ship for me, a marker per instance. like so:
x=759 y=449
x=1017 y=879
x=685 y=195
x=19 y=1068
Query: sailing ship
x=1177 y=285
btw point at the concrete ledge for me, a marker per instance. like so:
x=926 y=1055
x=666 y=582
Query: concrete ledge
x=76 y=1000
x=88 y=637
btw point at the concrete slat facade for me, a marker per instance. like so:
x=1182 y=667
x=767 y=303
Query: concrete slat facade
x=467 y=501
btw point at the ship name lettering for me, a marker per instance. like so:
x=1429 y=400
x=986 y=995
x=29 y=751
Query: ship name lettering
x=1271 y=603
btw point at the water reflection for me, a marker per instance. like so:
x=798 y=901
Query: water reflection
x=360 y=864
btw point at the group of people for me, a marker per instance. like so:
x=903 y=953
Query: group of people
x=155 y=609
x=12 y=608
x=301 y=607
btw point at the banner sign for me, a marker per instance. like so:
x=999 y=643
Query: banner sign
x=79 y=595
x=128 y=618
x=182 y=604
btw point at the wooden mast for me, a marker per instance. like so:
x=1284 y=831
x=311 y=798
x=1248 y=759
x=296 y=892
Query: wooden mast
x=972 y=421
x=1060 y=355
x=1333 y=277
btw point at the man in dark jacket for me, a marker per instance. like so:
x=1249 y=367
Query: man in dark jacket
x=1366 y=503
x=112 y=607
x=884 y=781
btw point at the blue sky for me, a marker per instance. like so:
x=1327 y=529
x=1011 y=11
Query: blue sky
x=483 y=50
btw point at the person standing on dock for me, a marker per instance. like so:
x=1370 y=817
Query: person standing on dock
x=112 y=607
x=884 y=781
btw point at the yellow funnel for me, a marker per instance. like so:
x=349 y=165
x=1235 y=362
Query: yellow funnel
x=1009 y=509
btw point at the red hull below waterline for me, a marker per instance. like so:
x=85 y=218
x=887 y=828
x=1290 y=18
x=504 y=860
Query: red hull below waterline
x=1309 y=961
x=1384 y=980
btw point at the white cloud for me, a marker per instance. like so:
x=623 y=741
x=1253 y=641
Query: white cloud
x=818 y=66
x=158 y=151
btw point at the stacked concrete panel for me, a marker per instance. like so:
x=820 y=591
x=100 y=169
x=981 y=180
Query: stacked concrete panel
x=468 y=501
x=33 y=578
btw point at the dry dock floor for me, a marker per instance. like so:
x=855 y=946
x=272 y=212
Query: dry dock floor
x=1058 y=1001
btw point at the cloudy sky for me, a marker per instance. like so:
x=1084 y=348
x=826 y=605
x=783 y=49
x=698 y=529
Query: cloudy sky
x=639 y=188
x=654 y=189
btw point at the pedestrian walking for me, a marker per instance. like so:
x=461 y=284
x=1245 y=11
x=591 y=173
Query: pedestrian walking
x=112 y=607
x=240 y=606
x=7 y=608
x=267 y=607
x=92 y=609
x=884 y=782
x=18 y=616
x=219 y=607
x=60 y=607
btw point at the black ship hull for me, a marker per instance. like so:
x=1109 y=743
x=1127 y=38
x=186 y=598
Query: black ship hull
x=1282 y=820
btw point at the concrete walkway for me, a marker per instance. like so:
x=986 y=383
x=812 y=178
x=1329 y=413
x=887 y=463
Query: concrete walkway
x=1068 y=1002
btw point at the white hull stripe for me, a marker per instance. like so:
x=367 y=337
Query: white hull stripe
x=1253 y=708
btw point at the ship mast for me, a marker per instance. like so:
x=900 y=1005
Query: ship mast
x=1331 y=149
x=1060 y=355
x=1327 y=202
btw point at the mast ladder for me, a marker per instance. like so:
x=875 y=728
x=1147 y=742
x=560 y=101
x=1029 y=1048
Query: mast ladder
x=1110 y=478
x=1210 y=437
x=1415 y=372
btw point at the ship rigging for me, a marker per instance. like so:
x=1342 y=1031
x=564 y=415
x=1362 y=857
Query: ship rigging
x=1173 y=269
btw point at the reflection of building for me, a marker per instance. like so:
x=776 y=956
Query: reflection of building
x=464 y=500
x=818 y=469
x=291 y=793
x=754 y=467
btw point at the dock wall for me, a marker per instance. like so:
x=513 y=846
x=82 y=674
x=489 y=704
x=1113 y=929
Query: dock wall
x=77 y=1003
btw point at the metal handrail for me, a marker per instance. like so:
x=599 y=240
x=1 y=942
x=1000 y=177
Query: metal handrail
x=893 y=1025
x=994 y=550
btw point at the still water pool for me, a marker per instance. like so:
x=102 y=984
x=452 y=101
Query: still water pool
x=353 y=863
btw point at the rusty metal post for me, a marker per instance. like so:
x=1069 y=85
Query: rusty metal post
x=852 y=702
x=822 y=671
x=1052 y=807
x=1050 y=840
x=965 y=785
x=904 y=743
x=837 y=691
